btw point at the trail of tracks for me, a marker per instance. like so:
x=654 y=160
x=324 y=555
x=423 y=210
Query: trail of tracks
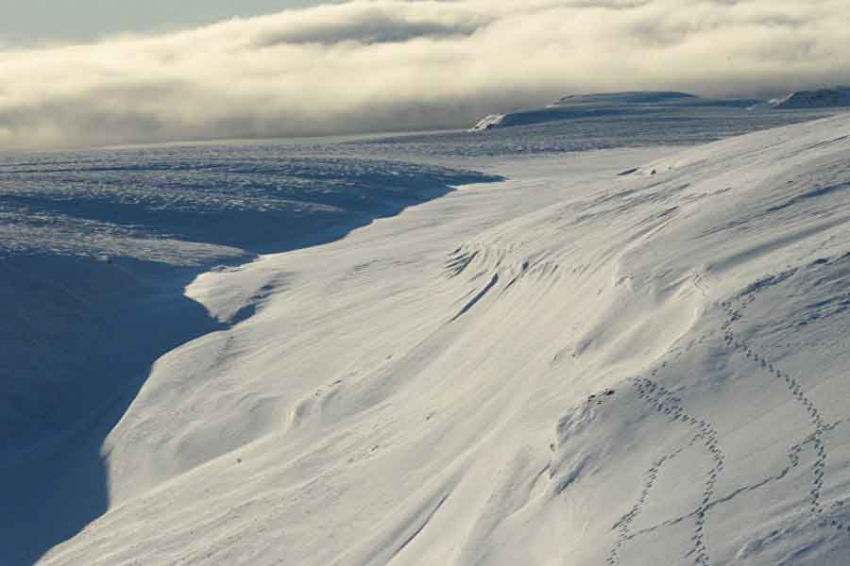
x=667 y=404
x=795 y=389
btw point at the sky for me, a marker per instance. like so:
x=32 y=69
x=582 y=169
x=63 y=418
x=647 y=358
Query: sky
x=161 y=71
x=40 y=21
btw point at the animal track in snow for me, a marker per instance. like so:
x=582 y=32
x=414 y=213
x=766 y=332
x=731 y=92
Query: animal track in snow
x=669 y=405
x=599 y=398
x=795 y=389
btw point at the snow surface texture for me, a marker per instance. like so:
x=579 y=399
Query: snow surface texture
x=95 y=253
x=607 y=104
x=683 y=126
x=115 y=221
x=595 y=362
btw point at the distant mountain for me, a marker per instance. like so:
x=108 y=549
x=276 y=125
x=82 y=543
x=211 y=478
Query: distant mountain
x=605 y=104
x=636 y=97
x=820 y=98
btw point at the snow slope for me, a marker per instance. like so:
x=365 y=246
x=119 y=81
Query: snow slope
x=85 y=234
x=596 y=362
x=96 y=249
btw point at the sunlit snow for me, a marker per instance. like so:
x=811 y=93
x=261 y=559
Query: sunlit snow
x=613 y=345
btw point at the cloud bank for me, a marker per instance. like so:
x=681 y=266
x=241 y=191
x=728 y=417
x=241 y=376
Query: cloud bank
x=384 y=65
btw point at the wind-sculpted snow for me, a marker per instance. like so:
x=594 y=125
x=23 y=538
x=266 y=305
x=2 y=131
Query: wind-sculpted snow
x=614 y=358
x=164 y=205
x=124 y=213
x=95 y=252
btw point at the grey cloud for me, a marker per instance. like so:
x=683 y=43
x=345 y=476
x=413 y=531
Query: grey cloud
x=382 y=65
x=375 y=27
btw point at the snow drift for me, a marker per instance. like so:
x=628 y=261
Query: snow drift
x=86 y=235
x=96 y=251
x=593 y=363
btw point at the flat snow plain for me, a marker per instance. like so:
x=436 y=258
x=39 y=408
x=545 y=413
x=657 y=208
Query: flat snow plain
x=619 y=357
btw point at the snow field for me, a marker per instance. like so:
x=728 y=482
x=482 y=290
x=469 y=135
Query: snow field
x=595 y=362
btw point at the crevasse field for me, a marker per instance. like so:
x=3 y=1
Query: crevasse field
x=604 y=341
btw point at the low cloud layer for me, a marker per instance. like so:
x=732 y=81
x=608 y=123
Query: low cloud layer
x=402 y=65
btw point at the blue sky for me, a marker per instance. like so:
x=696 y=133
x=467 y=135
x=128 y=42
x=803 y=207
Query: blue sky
x=73 y=20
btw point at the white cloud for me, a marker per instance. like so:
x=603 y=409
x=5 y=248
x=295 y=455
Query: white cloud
x=388 y=65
